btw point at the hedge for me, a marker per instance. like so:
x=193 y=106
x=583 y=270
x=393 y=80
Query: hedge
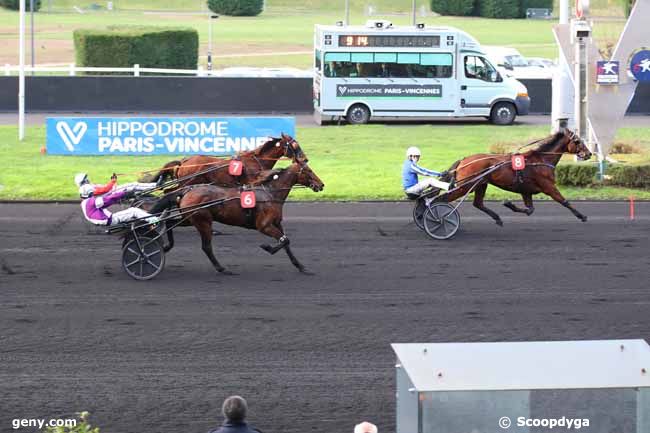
x=453 y=7
x=631 y=176
x=499 y=8
x=125 y=46
x=247 y=8
x=15 y=4
x=576 y=174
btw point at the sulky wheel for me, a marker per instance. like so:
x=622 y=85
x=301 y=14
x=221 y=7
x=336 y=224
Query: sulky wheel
x=441 y=220
x=418 y=213
x=143 y=257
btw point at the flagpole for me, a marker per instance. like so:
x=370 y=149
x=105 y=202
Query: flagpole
x=21 y=73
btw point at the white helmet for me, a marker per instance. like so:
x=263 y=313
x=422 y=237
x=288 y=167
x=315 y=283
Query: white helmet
x=412 y=151
x=80 y=178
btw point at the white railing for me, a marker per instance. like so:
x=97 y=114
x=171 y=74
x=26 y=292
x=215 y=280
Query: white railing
x=136 y=70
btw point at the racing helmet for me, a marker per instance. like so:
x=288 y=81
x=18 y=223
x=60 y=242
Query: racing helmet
x=413 y=151
x=80 y=179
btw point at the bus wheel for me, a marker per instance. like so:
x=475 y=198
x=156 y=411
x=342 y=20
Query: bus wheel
x=358 y=114
x=503 y=113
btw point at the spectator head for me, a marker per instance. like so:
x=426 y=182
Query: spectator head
x=234 y=409
x=365 y=427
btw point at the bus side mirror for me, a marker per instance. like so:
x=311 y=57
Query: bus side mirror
x=494 y=77
x=508 y=66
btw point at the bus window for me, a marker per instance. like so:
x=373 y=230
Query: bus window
x=388 y=65
x=480 y=69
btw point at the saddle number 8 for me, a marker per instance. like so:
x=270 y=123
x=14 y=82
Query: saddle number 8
x=247 y=199
x=518 y=162
x=235 y=167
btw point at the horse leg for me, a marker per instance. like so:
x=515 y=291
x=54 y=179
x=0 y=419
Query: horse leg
x=479 y=194
x=276 y=231
x=551 y=190
x=203 y=223
x=170 y=241
x=528 y=201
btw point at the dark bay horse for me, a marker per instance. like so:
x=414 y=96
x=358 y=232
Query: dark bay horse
x=271 y=190
x=215 y=169
x=537 y=176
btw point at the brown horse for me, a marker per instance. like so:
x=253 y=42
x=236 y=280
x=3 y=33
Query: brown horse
x=537 y=176
x=271 y=190
x=213 y=169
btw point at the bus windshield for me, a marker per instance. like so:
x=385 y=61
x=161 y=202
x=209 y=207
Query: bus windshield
x=388 y=65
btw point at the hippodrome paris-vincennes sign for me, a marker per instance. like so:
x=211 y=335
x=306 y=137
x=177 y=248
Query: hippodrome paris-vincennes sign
x=158 y=135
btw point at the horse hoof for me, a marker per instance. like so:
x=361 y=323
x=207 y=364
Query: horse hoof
x=216 y=233
x=226 y=272
x=583 y=219
x=266 y=248
x=304 y=271
x=499 y=223
x=507 y=203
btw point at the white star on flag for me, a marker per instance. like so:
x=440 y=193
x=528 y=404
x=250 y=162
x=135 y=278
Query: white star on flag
x=609 y=68
x=645 y=65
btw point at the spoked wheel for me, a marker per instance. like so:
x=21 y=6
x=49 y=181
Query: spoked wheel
x=418 y=213
x=441 y=221
x=143 y=257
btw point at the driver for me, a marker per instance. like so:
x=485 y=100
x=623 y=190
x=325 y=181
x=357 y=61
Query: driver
x=411 y=170
x=98 y=198
x=87 y=189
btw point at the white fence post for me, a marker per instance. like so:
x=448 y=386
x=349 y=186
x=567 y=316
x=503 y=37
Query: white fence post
x=72 y=70
x=7 y=70
x=136 y=70
x=200 y=71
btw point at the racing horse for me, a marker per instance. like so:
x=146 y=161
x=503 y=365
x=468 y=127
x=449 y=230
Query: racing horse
x=271 y=189
x=212 y=169
x=479 y=171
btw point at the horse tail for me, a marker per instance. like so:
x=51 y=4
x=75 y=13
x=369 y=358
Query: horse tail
x=167 y=201
x=168 y=170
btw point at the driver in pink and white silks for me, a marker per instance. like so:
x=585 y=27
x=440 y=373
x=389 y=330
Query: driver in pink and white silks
x=96 y=199
x=411 y=170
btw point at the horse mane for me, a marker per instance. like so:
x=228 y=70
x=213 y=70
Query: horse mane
x=263 y=148
x=548 y=143
x=266 y=176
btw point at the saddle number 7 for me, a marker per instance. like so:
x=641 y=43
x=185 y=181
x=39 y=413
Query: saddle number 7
x=235 y=167
x=247 y=199
x=518 y=162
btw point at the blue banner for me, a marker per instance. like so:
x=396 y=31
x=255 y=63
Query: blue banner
x=162 y=135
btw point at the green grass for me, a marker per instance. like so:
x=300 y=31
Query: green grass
x=355 y=162
x=282 y=28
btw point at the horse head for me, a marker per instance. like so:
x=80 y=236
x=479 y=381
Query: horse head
x=575 y=145
x=292 y=149
x=307 y=177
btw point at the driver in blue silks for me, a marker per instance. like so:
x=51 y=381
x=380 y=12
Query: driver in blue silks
x=411 y=170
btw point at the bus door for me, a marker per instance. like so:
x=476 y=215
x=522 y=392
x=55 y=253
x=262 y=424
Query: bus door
x=479 y=84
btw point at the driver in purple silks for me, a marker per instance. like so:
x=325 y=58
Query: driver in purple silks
x=95 y=205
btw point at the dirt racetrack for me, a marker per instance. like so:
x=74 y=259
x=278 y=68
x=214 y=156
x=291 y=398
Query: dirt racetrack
x=310 y=353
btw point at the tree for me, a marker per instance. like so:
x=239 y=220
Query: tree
x=236 y=7
x=499 y=8
x=15 y=4
x=453 y=7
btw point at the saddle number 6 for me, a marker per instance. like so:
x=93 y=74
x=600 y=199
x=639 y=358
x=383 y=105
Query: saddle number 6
x=518 y=162
x=235 y=167
x=247 y=199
